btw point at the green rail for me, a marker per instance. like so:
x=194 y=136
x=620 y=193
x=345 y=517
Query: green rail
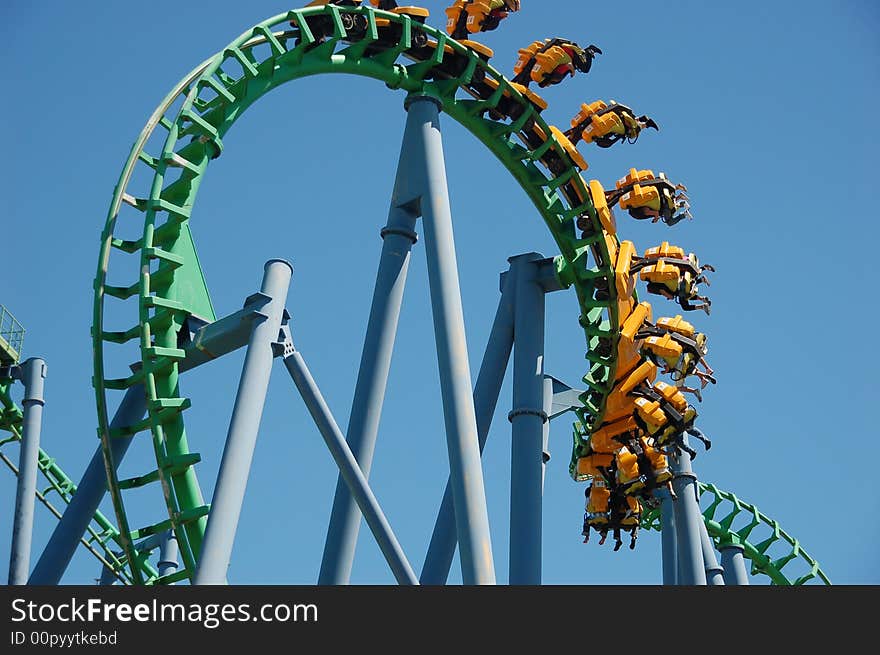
x=101 y=533
x=723 y=510
x=194 y=118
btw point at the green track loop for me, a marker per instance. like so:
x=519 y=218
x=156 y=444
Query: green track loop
x=723 y=509
x=171 y=287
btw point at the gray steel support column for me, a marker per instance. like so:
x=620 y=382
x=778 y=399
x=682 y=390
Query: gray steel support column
x=89 y=492
x=714 y=571
x=548 y=410
x=527 y=420
x=398 y=236
x=732 y=560
x=348 y=468
x=441 y=550
x=668 y=540
x=33 y=375
x=243 y=428
x=466 y=472
x=168 y=554
x=688 y=519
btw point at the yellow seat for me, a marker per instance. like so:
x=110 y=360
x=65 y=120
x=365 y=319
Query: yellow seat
x=664 y=347
x=627 y=469
x=635 y=176
x=672 y=395
x=548 y=61
x=640 y=196
x=645 y=372
x=651 y=413
x=603 y=441
x=617 y=406
x=587 y=111
x=677 y=325
x=602 y=126
x=599 y=497
x=665 y=250
x=661 y=272
x=526 y=54
x=590 y=464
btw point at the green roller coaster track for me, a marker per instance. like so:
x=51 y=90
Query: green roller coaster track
x=195 y=117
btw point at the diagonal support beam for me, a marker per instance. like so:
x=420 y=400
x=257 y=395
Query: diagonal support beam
x=349 y=470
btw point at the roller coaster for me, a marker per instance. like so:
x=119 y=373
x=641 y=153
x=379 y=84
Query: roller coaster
x=632 y=433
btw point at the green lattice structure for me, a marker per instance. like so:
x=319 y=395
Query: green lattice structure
x=723 y=510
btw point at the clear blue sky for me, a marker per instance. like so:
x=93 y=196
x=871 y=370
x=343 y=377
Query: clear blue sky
x=768 y=114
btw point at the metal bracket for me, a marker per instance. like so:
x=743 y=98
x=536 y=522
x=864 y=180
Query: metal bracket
x=565 y=399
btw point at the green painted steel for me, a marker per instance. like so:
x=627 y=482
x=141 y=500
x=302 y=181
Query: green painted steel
x=213 y=98
x=723 y=510
x=195 y=117
x=101 y=535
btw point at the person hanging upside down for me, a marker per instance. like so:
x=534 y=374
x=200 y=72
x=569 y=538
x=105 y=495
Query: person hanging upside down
x=646 y=196
x=467 y=17
x=551 y=61
x=606 y=124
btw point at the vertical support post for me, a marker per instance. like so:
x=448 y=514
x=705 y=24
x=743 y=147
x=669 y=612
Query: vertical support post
x=398 y=236
x=168 y=554
x=91 y=489
x=732 y=560
x=527 y=420
x=33 y=375
x=548 y=409
x=243 y=428
x=466 y=473
x=348 y=467
x=668 y=539
x=441 y=550
x=691 y=570
x=714 y=571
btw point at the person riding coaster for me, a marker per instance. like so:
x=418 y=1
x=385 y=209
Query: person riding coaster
x=551 y=61
x=606 y=124
x=675 y=278
x=467 y=17
x=678 y=355
x=609 y=510
x=666 y=417
x=641 y=468
x=646 y=196
x=355 y=25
